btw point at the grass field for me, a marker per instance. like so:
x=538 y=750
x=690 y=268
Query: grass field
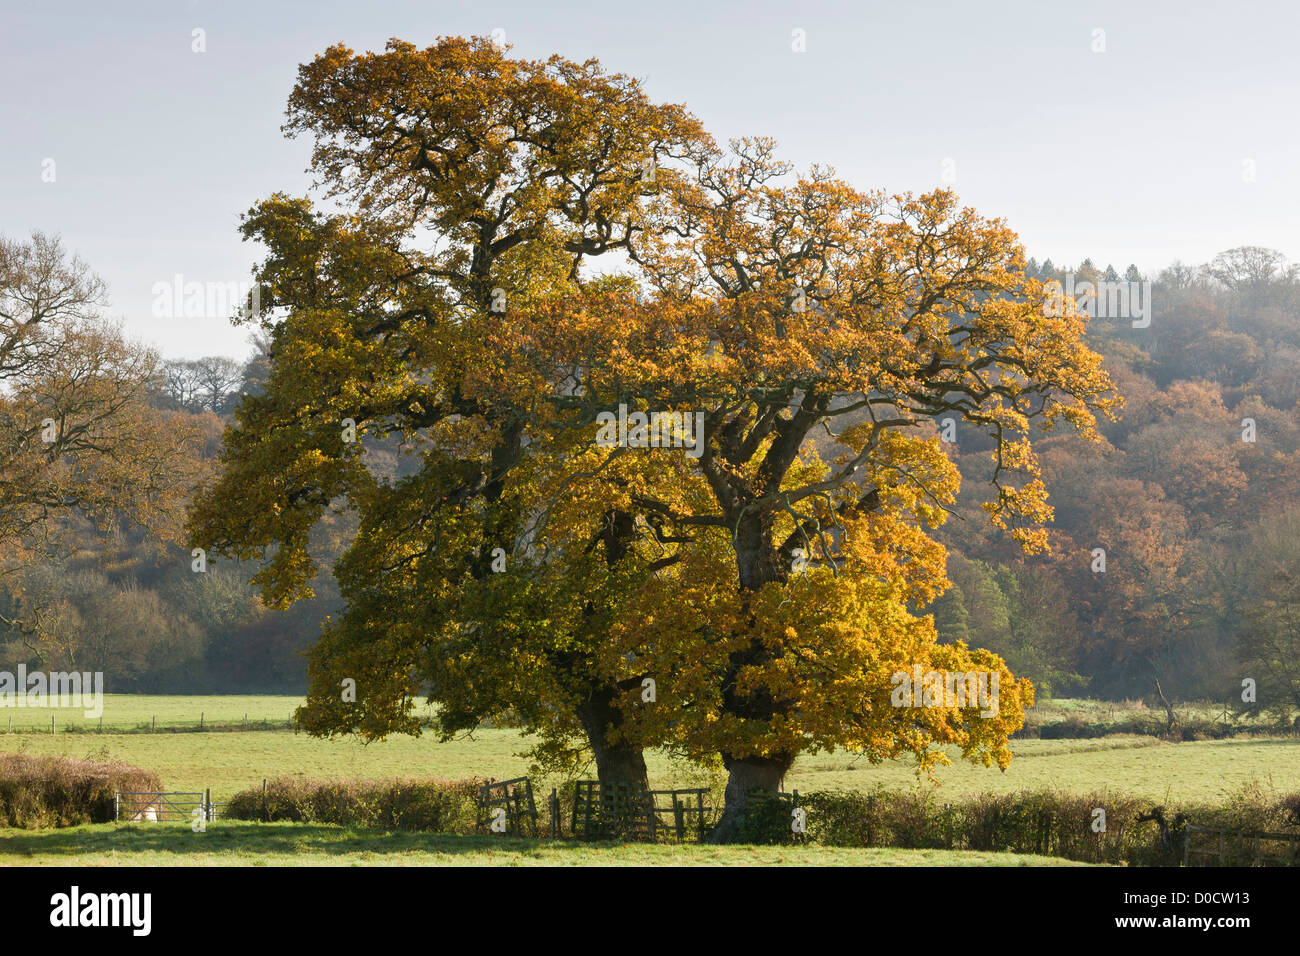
x=227 y=762
x=288 y=844
x=138 y=712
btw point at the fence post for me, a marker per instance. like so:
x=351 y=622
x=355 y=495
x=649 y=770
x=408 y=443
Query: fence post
x=200 y=720
x=101 y=723
x=207 y=803
x=52 y=728
x=117 y=807
x=154 y=729
x=265 y=816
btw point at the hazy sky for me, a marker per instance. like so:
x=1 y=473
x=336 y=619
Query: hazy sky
x=1142 y=153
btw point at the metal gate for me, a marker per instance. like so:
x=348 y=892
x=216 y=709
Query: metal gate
x=161 y=807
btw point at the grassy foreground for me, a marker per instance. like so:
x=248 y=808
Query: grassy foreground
x=231 y=843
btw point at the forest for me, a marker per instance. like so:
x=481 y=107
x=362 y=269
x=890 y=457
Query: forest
x=1171 y=576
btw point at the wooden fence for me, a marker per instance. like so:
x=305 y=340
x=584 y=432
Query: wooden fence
x=628 y=811
x=514 y=799
x=1219 y=846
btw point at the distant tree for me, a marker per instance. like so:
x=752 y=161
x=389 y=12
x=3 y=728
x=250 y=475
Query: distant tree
x=1176 y=276
x=1247 y=269
x=179 y=383
x=258 y=367
x=79 y=436
x=87 y=622
x=217 y=379
x=951 y=619
x=1269 y=644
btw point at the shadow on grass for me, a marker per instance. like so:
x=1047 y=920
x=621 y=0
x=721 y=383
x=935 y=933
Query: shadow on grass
x=261 y=839
x=238 y=843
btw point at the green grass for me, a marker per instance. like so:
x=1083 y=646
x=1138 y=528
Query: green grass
x=1207 y=771
x=137 y=712
x=1143 y=766
x=134 y=711
x=294 y=844
x=1204 y=771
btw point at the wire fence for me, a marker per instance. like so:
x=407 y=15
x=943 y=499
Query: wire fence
x=169 y=725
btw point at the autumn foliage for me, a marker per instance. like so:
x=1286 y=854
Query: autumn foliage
x=768 y=585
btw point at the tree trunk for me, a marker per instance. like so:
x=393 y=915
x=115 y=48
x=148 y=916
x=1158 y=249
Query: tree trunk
x=1170 y=716
x=615 y=762
x=744 y=776
x=757 y=563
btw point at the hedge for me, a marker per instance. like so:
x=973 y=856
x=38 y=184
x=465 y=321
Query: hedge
x=438 y=806
x=61 y=792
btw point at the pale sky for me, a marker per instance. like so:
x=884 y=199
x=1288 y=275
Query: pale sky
x=1176 y=142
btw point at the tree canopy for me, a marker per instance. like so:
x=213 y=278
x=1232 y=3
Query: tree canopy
x=518 y=563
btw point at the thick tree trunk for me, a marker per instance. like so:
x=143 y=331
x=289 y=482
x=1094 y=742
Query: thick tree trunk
x=744 y=776
x=757 y=563
x=615 y=762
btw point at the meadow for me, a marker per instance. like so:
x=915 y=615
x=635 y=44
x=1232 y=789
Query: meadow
x=230 y=761
x=139 y=713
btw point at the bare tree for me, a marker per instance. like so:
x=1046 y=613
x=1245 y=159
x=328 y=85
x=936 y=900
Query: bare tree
x=217 y=380
x=179 y=383
x=1248 y=269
